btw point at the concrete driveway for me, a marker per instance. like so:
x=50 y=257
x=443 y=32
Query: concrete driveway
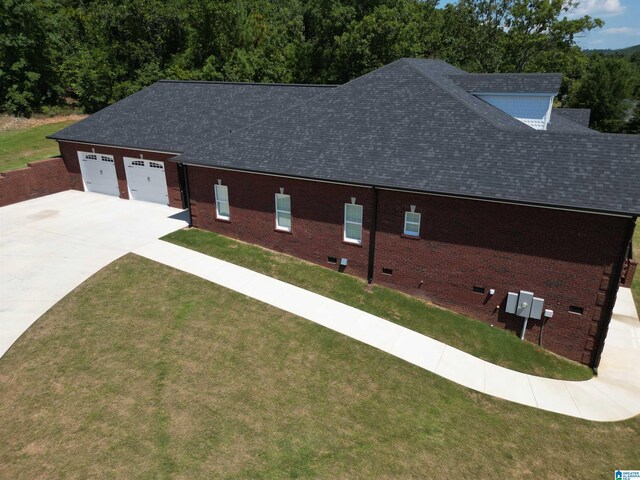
x=49 y=245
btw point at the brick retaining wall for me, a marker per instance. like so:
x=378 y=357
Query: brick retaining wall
x=35 y=180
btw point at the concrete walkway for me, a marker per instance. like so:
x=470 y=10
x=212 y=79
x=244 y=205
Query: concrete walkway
x=613 y=395
x=50 y=245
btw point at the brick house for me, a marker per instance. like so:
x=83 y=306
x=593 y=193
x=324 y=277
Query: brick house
x=459 y=188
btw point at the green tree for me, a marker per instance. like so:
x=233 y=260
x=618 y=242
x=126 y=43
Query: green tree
x=473 y=34
x=95 y=52
x=633 y=125
x=537 y=27
x=384 y=35
x=114 y=48
x=245 y=41
x=605 y=88
x=25 y=68
x=512 y=35
x=324 y=21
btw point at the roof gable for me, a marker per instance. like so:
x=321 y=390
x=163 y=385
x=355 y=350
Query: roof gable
x=435 y=73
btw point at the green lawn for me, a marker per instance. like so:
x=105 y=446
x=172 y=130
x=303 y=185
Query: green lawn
x=18 y=147
x=145 y=372
x=472 y=336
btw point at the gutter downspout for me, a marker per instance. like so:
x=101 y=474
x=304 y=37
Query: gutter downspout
x=184 y=180
x=372 y=236
x=617 y=272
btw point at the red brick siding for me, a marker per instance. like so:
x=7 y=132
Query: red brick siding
x=173 y=184
x=567 y=258
x=70 y=151
x=628 y=272
x=317 y=210
x=36 y=180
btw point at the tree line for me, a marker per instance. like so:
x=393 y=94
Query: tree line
x=91 y=53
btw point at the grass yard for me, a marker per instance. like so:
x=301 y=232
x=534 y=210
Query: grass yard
x=18 y=147
x=472 y=336
x=145 y=372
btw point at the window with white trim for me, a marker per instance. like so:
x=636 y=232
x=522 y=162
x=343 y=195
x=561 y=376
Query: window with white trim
x=283 y=212
x=352 y=223
x=222 y=202
x=412 y=224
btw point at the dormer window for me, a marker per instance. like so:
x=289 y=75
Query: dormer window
x=529 y=108
x=527 y=97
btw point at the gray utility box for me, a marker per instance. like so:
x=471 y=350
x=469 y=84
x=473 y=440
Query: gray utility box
x=536 y=308
x=512 y=303
x=525 y=299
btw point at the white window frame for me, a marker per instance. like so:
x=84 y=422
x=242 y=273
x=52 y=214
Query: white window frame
x=406 y=221
x=344 y=235
x=278 y=211
x=220 y=216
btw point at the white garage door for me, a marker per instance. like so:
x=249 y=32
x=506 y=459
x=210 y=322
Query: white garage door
x=99 y=173
x=146 y=180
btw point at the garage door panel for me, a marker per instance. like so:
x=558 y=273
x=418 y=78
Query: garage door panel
x=147 y=180
x=99 y=173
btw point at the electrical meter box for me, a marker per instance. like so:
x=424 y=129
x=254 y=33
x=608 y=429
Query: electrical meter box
x=525 y=299
x=512 y=303
x=536 y=308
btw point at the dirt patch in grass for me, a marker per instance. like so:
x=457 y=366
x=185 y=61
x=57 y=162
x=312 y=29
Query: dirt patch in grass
x=8 y=123
x=147 y=372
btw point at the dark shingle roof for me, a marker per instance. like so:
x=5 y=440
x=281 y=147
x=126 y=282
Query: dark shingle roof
x=440 y=76
x=407 y=125
x=560 y=122
x=402 y=127
x=171 y=116
x=508 y=82
x=577 y=115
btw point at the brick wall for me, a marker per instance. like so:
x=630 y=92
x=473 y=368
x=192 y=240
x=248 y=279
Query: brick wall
x=628 y=272
x=36 y=180
x=317 y=210
x=70 y=151
x=567 y=258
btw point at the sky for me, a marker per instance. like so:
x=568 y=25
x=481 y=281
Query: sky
x=621 y=23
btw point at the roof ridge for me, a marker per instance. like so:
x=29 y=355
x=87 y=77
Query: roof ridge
x=262 y=84
x=528 y=74
x=468 y=105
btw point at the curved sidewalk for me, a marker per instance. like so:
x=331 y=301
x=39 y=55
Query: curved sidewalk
x=613 y=395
